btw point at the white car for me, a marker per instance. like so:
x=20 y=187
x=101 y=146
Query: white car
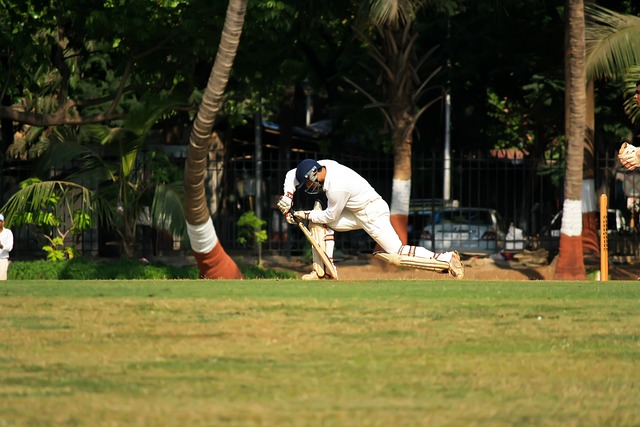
x=470 y=231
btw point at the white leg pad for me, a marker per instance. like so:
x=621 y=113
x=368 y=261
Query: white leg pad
x=318 y=233
x=324 y=236
x=407 y=258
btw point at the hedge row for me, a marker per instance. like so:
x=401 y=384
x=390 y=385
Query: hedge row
x=123 y=269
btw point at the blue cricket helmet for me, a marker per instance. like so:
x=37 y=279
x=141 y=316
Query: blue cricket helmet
x=305 y=170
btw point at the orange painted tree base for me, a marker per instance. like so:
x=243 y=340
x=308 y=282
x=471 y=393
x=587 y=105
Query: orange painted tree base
x=570 y=264
x=217 y=264
x=590 y=238
x=400 y=223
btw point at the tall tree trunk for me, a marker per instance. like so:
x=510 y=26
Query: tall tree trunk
x=213 y=262
x=403 y=88
x=401 y=190
x=590 y=241
x=399 y=53
x=570 y=260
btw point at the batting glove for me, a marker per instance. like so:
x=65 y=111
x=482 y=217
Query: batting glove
x=285 y=203
x=302 y=214
x=290 y=219
x=628 y=156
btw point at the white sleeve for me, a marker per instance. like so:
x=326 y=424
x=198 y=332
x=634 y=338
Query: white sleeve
x=290 y=182
x=7 y=244
x=336 y=202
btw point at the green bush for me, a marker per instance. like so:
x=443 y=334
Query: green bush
x=123 y=269
x=35 y=270
x=80 y=269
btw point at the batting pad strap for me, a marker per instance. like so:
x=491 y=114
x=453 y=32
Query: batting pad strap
x=413 y=262
x=203 y=237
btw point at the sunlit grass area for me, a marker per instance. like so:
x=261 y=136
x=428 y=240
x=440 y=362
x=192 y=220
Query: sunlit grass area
x=291 y=353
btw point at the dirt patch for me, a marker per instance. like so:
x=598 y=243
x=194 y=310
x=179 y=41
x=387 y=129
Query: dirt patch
x=367 y=268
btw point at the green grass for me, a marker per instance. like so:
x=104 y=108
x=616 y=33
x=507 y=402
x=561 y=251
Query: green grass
x=293 y=353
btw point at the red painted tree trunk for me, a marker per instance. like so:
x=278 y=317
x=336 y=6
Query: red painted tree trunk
x=570 y=261
x=400 y=224
x=216 y=264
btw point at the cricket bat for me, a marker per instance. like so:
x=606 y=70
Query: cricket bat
x=323 y=255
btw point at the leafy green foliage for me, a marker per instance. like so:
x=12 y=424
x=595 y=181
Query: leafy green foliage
x=57 y=251
x=43 y=205
x=35 y=270
x=250 y=229
x=512 y=130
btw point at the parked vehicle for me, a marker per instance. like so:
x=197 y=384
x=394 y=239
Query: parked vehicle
x=420 y=214
x=470 y=231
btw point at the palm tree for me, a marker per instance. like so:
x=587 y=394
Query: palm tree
x=612 y=41
x=213 y=262
x=570 y=261
x=108 y=176
x=403 y=88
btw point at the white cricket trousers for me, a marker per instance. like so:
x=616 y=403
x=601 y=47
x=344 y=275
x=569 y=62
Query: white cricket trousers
x=4 y=267
x=375 y=219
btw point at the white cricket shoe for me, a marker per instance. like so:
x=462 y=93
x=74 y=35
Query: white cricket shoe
x=456 y=269
x=314 y=276
x=311 y=276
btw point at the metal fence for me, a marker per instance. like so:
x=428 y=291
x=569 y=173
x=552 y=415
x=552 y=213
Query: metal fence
x=526 y=193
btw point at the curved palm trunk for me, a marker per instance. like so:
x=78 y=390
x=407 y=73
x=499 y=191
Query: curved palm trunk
x=213 y=261
x=570 y=260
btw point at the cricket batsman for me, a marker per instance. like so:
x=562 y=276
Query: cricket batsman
x=353 y=204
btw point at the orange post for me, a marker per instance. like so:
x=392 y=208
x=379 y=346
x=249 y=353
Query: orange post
x=604 y=239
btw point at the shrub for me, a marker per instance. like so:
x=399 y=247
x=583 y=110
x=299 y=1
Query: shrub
x=79 y=269
x=34 y=270
x=122 y=269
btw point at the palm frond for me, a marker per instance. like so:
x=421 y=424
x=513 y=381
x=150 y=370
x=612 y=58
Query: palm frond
x=630 y=85
x=34 y=195
x=141 y=121
x=374 y=102
x=390 y=12
x=612 y=41
x=60 y=156
x=167 y=211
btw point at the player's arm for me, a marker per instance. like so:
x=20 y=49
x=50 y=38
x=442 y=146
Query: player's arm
x=286 y=200
x=285 y=203
x=290 y=183
x=336 y=201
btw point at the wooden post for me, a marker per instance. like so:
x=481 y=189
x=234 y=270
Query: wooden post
x=604 y=239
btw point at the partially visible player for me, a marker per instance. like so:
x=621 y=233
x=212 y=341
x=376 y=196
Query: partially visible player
x=629 y=155
x=353 y=204
x=6 y=245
